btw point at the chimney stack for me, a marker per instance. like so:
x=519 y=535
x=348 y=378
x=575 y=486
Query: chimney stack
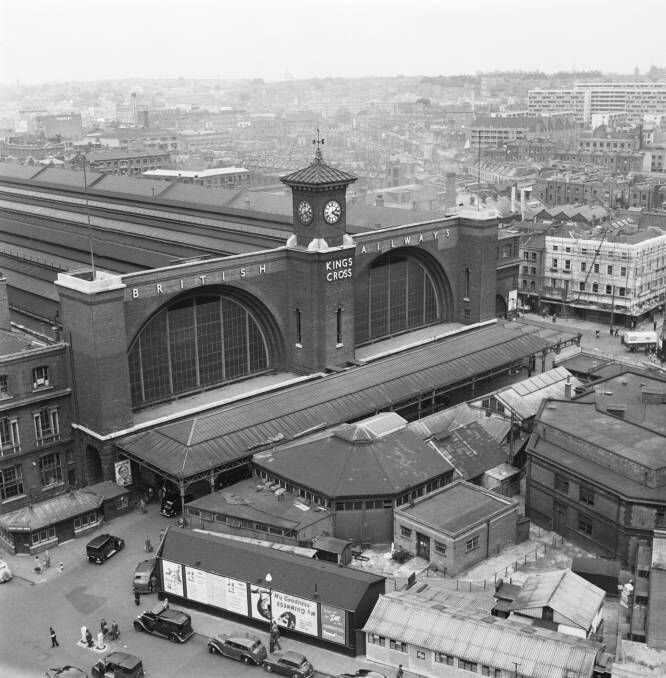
x=567 y=389
x=5 y=323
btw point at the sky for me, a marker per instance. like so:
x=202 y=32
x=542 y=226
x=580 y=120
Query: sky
x=84 y=40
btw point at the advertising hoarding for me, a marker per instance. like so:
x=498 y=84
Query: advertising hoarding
x=172 y=578
x=333 y=624
x=513 y=300
x=123 y=469
x=288 y=611
x=214 y=589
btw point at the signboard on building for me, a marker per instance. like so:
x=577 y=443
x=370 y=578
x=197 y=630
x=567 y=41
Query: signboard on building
x=333 y=624
x=512 y=304
x=172 y=578
x=214 y=589
x=123 y=470
x=289 y=611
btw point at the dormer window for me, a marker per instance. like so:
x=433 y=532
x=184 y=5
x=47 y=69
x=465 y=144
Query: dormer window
x=40 y=377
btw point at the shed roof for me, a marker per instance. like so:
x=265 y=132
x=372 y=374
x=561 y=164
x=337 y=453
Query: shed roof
x=340 y=586
x=564 y=592
x=477 y=637
x=50 y=511
x=228 y=434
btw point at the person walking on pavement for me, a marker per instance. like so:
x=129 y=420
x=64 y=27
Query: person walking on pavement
x=114 y=630
x=399 y=673
x=137 y=598
x=54 y=639
x=89 y=638
x=103 y=627
x=275 y=635
x=596 y=334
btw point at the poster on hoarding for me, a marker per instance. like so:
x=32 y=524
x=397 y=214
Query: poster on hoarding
x=214 y=589
x=172 y=578
x=289 y=611
x=333 y=624
x=513 y=300
x=123 y=470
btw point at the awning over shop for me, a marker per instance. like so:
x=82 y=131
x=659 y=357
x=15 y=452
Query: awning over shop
x=44 y=513
x=228 y=436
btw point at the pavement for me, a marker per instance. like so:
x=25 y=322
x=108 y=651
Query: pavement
x=134 y=527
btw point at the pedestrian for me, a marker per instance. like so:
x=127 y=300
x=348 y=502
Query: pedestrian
x=153 y=583
x=89 y=638
x=275 y=633
x=103 y=627
x=596 y=334
x=400 y=673
x=142 y=505
x=47 y=559
x=611 y=331
x=54 y=640
x=114 y=630
x=149 y=546
x=38 y=567
x=617 y=332
x=137 y=598
x=61 y=567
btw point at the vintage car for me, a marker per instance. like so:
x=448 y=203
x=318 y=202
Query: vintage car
x=118 y=665
x=174 y=625
x=246 y=649
x=289 y=664
x=102 y=547
x=142 y=574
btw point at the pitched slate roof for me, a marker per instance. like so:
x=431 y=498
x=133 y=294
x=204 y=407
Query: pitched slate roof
x=318 y=174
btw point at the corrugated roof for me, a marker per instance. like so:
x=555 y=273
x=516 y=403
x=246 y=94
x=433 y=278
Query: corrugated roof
x=51 y=511
x=229 y=434
x=478 y=637
x=318 y=174
x=298 y=576
x=459 y=415
x=564 y=592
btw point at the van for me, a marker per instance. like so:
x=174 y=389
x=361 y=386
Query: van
x=142 y=574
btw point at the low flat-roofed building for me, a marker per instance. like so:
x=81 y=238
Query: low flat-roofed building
x=457 y=526
x=438 y=641
x=307 y=597
x=257 y=509
x=563 y=600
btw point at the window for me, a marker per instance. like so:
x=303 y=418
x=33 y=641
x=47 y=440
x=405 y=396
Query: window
x=397 y=645
x=581 y=287
x=554 y=263
x=41 y=536
x=405 y=532
x=555 y=248
x=50 y=469
x=87 y=520
x=623 y=270
x=420 y=654
x=561 y=484
x=11 y=482
x=585 y=525
x=609 y=269
x=583 y=266
x=47 y=425
x=468 y=666
x=609 y=289
x=595 y=287
x=440 y=548
x=299 y=336
x=4 y=387
x=467 y=285
x=467 y=314
x=40 y=377
x=472 y=544
x=442 y=658
x=567 y=264
x=586 y=495
x=338 y=321
x=9 y=436
x=596 y=268
x=376 y=640
x=533 y=270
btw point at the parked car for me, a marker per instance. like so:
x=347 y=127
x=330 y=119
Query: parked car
x=65 y=672
x=142 y=574
x=102 y=547
x=246 y=649
x=5 y=572
x=174 y=625
x=289 y=664
x=172 y=505
x=118 y=665
x=363 y=673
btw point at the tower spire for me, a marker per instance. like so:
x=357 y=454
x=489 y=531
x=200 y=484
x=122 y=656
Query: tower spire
x=319 y=142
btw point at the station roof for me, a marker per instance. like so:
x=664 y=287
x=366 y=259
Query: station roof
x=190 y=446
x=307 y=578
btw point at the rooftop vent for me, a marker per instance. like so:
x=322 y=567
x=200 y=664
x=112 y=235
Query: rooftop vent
x=617 y=410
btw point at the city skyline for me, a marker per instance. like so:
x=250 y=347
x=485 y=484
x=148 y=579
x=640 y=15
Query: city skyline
x=67 y=41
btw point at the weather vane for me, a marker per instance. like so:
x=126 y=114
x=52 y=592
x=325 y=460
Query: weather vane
x=319 y=143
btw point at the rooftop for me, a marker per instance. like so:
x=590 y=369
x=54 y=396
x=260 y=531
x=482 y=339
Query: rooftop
x=457 y=507
x=318 y=173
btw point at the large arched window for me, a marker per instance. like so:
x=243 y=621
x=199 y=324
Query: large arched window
x=193 y=344
x=399 y=295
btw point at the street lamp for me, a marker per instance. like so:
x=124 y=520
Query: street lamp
x=269 y=582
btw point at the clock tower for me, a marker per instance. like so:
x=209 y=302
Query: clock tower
x=320 y=268
x=319 y=202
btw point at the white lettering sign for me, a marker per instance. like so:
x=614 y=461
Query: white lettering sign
x=339 y=269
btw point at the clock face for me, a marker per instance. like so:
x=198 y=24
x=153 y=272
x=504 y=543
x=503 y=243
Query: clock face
x=332 y=211
x=305 y=213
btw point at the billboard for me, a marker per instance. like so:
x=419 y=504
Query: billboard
x=333 y=624
x=172 y=578
x=513 y=300
x=123 y=470
x=288 y=611
x=214 y=589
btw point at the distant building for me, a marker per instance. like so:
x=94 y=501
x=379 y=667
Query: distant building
x=127 y=162
x=456 y=527
x=65 y=125
x=220 y=177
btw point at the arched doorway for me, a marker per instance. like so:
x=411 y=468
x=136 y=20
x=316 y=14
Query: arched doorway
x=403 y=290
x=198 y=341
x=500 y=305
